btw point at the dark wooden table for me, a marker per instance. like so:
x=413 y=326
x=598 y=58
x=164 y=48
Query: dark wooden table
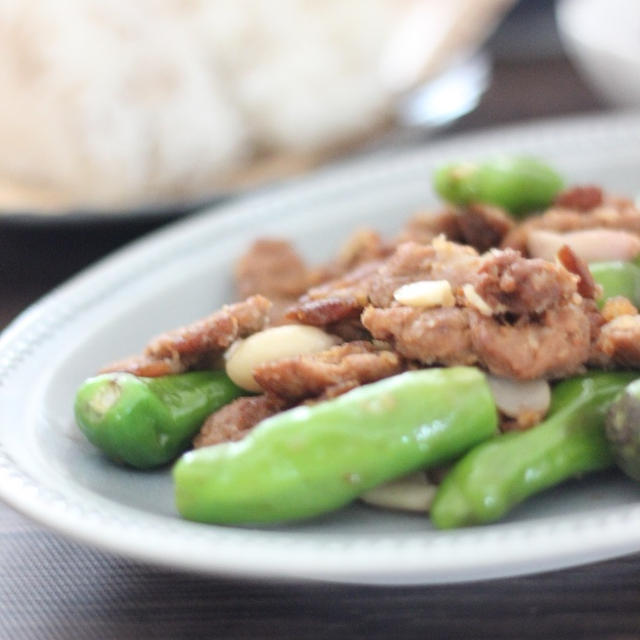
x=51 y=587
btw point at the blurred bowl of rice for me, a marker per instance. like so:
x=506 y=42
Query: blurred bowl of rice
x=117 y=106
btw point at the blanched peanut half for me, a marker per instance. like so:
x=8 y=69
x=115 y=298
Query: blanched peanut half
x=592 y=245
x=410 y=493
x=516 y=397
x=425 y=293
x=273 y=344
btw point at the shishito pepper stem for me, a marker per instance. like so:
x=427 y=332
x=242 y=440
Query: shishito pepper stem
x=147 y=422
x=498 y=474
x=311 y=460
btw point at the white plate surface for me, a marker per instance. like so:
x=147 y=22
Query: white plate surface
x=50 y=473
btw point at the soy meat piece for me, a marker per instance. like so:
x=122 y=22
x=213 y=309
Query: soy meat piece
x=554 y=345
x=484 y=226
x=343 y=366
x=233 y=421
x=198 y=345
x=272 y=268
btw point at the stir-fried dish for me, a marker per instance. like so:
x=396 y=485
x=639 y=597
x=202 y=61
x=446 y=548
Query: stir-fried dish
x=483 y=354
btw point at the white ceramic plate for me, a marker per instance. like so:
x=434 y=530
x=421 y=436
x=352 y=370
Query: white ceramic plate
x=50 y=473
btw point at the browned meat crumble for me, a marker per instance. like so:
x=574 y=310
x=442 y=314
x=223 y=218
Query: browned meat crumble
x=509 y=283
x=199 y=344
x=618 y=343
x=308 y=376
x=272 y=268
x=423 y=227
x=555 y=344
x=514 y=316
x=587 y=287
x=480 y=226
x=483 y=226
x=524 y=317
x=289 y=381
x=580 y=198
x=578 y=210
x=440 y=260
x=233 y=421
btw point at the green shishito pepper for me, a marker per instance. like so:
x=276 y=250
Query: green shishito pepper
x=519 y=184
x=501 y=473
x=622 y=429
x=617 y=278
x=314 y=459
x=147 y=422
